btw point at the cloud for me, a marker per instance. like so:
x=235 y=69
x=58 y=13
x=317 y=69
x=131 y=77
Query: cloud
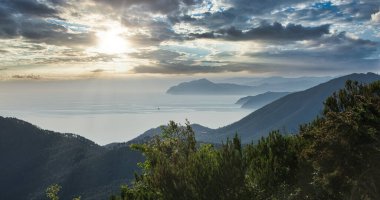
x=265 y=31
x=41 y=31
x=99 y=70
x=74 y=56
x=29 y=7
x=215 y=20
x=360 y=10
x=156 y=55
x=375 y=17
x=29 y=19
x=243 y=35
x=338 y=46
x=206 y=67
x=181 y=68
x=30 y=76
x=337 y=51
x=157 y=6
x=261 y=7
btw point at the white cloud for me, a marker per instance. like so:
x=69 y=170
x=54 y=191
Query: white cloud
x=375 y=17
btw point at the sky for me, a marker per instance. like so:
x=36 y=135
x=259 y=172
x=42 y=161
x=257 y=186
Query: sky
x=64 y=39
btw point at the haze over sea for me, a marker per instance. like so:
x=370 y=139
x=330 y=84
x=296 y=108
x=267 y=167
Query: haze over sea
x=107 y=111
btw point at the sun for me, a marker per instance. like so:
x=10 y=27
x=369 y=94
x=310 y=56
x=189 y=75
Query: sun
x=112 y=42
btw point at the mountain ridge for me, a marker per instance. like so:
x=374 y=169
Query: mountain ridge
x=33 y=158
x=256 y=86
x=286 y=113
x=260 y=100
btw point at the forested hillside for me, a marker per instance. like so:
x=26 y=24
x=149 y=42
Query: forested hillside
x=32 y=159
x=334 y=157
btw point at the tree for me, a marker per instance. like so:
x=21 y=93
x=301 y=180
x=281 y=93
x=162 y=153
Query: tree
x=345 y=142
x=52 y=192
x=273 y=166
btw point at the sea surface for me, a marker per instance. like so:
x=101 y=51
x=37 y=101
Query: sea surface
x=111 y=112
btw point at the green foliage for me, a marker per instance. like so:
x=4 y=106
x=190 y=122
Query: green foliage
x=52 y=192
x=176 y=168
x=337 y=156
x=344 y=145
x=273 y=165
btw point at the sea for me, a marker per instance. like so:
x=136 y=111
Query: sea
x=110 y=111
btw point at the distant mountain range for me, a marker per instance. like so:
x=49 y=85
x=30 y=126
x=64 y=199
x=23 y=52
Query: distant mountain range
x=32 y=159
x=260 y=100
x=286 y=113
x=299 y=82
x=254 y=86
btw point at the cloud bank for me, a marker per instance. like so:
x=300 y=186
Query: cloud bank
x=190 y=36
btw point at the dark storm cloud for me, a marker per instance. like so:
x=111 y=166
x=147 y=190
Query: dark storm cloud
x=7 y=23
x=344 y=47
x=28 y=19
x=45 y=32
x=337 y=48
x=216 y=20
x=361 y=10
x=239 y=15
x=274 y=32
x=28 y=7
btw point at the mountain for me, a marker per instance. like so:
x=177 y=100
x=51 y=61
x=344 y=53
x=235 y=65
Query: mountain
x=255 y=81
x=258 y=85
x=32 y=159
x=198 y=129
x=206 y=87
x=260 y=99
x=286 y=113
x=306 y=81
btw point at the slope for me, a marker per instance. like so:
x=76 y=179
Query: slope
x=32 y=159
x=286 y=113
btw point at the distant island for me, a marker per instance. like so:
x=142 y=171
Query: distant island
x=206 y=87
